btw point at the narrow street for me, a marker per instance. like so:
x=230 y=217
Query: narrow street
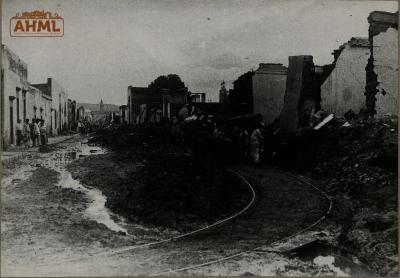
x=54 y=226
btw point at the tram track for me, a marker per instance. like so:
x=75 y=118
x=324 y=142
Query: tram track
x=181 y=236
x=200 y=230
x=242 y=253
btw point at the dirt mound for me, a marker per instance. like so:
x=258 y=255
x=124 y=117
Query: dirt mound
x=357 y=164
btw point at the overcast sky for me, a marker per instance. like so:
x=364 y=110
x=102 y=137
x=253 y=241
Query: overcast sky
x=109 y=45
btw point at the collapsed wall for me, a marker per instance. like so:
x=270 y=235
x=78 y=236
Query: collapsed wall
x=269 y=84
x=302 y=95
x=381 y=88
x=344 y=88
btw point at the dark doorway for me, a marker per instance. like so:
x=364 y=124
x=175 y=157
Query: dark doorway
x=51 y=121
x=11 y=121
x=24 y=103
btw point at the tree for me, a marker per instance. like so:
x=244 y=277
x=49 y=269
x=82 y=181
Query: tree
x=240 y=99
x=170 y=81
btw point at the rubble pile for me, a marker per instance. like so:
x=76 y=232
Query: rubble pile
x=357 y=164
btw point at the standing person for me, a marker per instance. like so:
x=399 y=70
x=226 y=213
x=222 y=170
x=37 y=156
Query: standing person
x=36 y=132
x=27 y=134
x=32 y=132
x=256 y=144
x=20 y=135
x=79 y=127
x=43 y=132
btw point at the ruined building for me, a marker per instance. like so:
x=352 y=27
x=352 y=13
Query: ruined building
x=302 y=94
x=381 y=88
x=269 y=84
x=344 y=88
x=151 y=104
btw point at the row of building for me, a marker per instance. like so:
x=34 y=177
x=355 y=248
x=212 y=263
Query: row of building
x=146 y=104
x=363 y=76
x=22 y=100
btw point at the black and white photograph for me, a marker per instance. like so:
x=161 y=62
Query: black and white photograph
x=199 y=138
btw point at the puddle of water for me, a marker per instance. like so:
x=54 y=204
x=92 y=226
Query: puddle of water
x=96 y=210
x=330 y=262
x=322 y=254
x=57 y=161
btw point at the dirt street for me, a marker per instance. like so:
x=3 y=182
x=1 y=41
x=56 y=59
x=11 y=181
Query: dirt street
x=54 y=226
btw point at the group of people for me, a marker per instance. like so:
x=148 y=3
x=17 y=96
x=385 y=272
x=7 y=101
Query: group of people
x=31 y=134
x=248 y=142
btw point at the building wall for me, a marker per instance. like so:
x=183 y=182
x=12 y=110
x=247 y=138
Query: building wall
x=58 y=120
x=269 y=84
x=385 y=48
x=60 y=105
x=37 y=99
x=14 y=77
x=71 y=106
x=302 y=94
x=344 y=88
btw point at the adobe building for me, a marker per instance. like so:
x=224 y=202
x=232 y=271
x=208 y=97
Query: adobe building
x=39 y=106
x=269 y=85
x=344 y=88
x=14 y=88
x=382 y=74
x=302 y=94
x=59 y=111
x=197 y=97
x=151 y=104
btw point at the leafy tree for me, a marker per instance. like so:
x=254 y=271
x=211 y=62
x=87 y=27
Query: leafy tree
x=170 y=81
x=240 y=99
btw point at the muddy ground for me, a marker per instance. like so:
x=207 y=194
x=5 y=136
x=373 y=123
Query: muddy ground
x=46 y=230
x=171 y=190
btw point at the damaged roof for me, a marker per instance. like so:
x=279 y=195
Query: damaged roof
x=359 y=41
x=353 y=42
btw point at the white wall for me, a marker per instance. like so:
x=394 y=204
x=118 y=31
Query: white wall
x=386 y=68
x=13 y=79
x=344 y=88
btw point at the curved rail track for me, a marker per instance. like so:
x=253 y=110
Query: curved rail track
x=153 y=243
x=239 y=254
x=208 y=227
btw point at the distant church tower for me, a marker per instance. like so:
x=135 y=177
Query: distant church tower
x=223 y=92
x=101 y=106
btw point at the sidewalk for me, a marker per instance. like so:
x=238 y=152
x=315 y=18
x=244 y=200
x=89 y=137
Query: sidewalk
x=18 y=152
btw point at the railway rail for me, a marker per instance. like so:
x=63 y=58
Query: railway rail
x=242 y=253
x=153 y=243
x=208 y=227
